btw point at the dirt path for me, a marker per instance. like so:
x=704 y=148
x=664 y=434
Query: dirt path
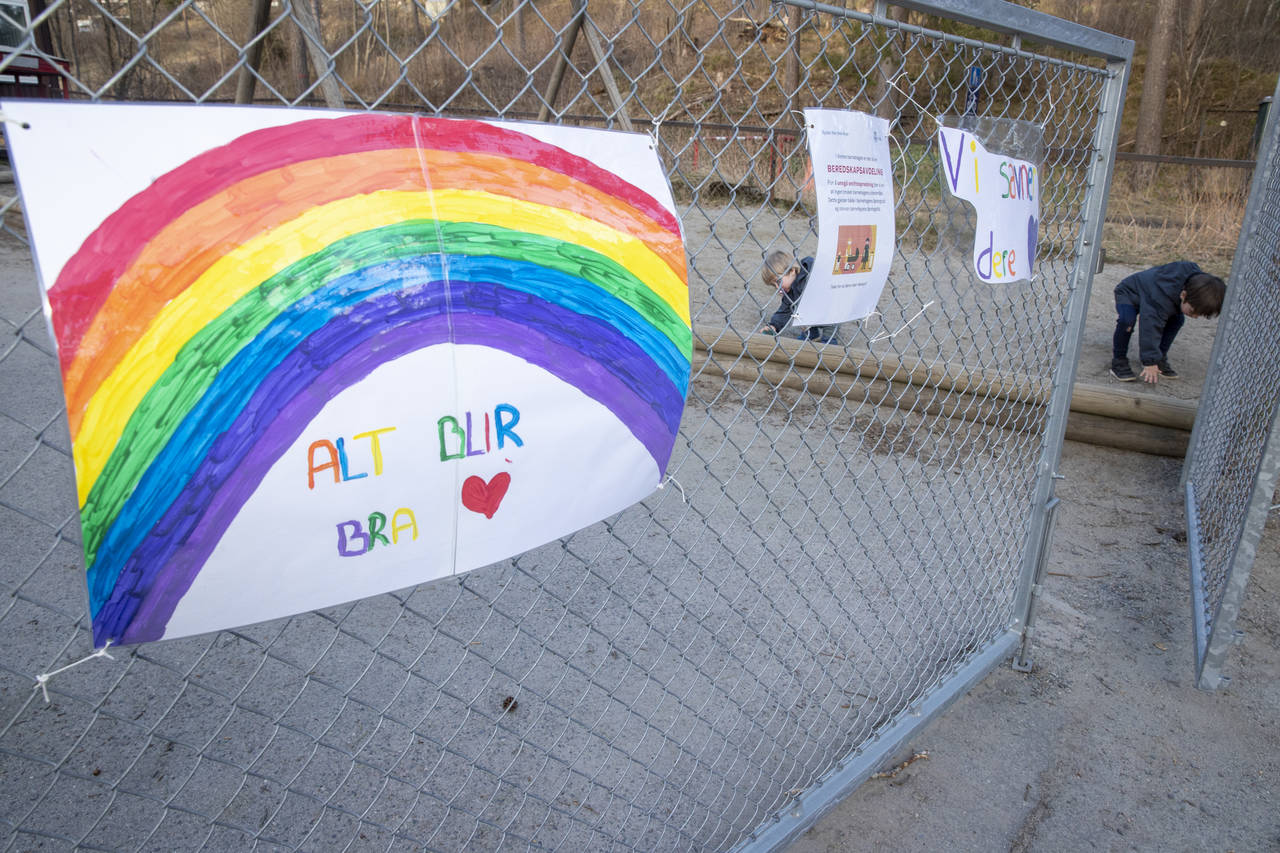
x=1107 y=744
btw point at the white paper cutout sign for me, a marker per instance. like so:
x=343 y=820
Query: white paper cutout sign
x=1005 y=193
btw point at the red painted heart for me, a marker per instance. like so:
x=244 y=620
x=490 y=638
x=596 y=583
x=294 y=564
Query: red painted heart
x=485 y=498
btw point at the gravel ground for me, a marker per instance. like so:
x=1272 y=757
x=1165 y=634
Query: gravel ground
x=1106 y=744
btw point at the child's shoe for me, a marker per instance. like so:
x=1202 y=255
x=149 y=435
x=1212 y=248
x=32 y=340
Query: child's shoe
x=1121 y=370
x=824 y=334
x=1166 y=370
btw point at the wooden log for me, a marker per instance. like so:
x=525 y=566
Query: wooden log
x=857 y=392
x=1121 y=417
x=1127 y=435
x=1126 y=403
x=1132 y=404
x=925 y=373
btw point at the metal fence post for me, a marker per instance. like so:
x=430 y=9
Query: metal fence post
x=1100 y=171
x=1232 y=466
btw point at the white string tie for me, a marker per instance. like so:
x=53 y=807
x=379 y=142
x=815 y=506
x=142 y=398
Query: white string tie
x=671 y=479
x=907 y=95
x=914 y=317
x=657 y=125
x=42 y=681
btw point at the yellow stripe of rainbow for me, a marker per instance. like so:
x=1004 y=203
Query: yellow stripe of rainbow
x=257 y=260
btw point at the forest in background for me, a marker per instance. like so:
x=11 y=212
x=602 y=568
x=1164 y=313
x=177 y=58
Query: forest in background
x=1199 y=74
x=1200 y=70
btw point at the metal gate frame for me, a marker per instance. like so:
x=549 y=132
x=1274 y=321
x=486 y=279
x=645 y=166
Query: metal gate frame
x=1218 y=580
x=851 y=771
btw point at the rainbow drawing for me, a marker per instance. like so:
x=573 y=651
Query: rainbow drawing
x=207 y=321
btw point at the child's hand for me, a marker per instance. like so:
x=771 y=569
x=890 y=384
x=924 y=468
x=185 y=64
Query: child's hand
x=1151 y=373
x=768 y=330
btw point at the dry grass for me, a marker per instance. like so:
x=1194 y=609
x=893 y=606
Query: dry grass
x=723 y=74
x=1186 y=212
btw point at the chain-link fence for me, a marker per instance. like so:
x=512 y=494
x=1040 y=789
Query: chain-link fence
x=1234 y=459
x=854 y=531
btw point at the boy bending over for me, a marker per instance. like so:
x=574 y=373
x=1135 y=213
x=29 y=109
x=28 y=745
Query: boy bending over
x=789 y=278
x=1163 y=297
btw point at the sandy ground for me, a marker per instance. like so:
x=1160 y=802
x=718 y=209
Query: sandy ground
x=1106 y=744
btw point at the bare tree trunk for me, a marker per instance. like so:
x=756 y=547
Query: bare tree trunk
x=43 y=39
x=358 y=63
x=74 y=30
x=518 y=21
x=253 y=52
x=1194 y=52
x=676 y=27
x=888 y=67
x=301 y=71
x=792 y=84
x=1155 y=81
x=308 y=15
x=419 y=33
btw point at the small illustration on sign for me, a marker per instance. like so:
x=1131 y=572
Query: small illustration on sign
x=485 y=498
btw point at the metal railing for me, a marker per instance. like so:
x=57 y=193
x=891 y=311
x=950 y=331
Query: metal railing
x=858 y=530
x=1233 y=461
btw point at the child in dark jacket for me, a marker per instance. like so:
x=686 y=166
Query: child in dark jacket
x=1163 y=297
x=782 y=272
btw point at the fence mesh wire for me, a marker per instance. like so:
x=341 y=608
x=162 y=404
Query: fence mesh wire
x=1234 y=457
x=846 y=526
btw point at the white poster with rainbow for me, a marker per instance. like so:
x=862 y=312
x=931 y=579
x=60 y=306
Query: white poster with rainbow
x=312 y=356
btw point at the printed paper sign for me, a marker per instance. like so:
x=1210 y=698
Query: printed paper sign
x=853 y=180
x=1006 y=195
x=312 y=356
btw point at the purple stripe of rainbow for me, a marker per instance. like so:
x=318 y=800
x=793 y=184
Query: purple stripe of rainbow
x=161 y=569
